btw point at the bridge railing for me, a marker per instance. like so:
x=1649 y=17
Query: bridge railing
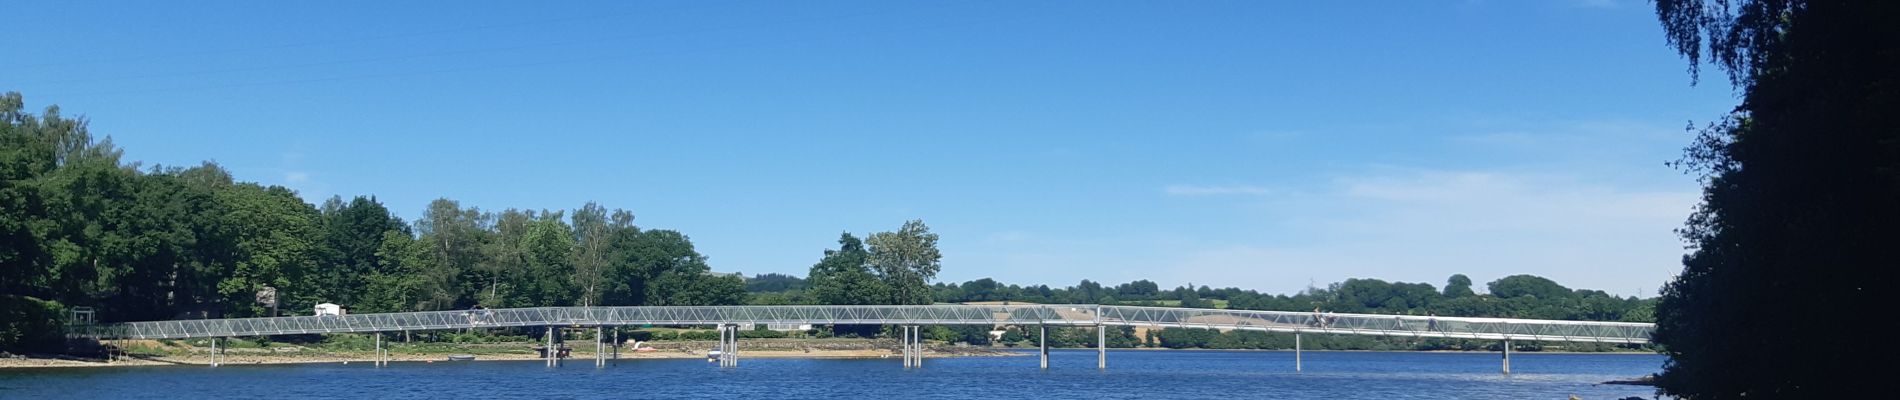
x=1382 y=325
x=597 y=316
x=1039 y=314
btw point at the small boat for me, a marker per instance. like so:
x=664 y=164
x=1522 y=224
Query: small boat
x=461 y=357
x=712 y=355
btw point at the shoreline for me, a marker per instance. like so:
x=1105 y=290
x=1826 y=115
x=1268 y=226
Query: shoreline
x=366 y=358
x=1513 y=352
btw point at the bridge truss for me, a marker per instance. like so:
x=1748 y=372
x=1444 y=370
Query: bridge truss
x=1028 y=314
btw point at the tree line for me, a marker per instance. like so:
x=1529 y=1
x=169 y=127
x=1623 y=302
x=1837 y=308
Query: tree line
x=1516 y=296
x=79 y=226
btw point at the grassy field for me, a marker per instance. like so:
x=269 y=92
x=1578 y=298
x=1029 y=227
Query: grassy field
x=1218 y=303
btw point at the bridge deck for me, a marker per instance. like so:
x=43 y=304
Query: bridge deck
x=1031 y=314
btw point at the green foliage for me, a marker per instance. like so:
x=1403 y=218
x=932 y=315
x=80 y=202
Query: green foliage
x=780 y=298
x=1013 y=336
x=80 y=227
x=353 y=236
x=759 y=332
x=906 y=260
x=771 y=283
x=844 y=277
x=1527 y=285
x=1798 y=223
x=1354 y=296
x=30 y=325
x=1458 y=285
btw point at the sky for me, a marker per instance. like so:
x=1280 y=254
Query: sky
x=1262 y=145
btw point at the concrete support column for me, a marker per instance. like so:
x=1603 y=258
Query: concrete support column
x=551 y=353
x=917 y=346
x=214 y=352
x=600 y=347
x=616 y=343
x=379 y=350
x=1042 y=339
x=1507 y=356
x=1296 y=352
x=729 y=345
x=1101 y=347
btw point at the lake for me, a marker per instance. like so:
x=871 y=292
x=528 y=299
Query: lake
x=1072 y=374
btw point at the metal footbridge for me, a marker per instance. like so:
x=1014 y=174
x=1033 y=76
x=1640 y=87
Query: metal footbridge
x=1036 y=314
x=1043 y=315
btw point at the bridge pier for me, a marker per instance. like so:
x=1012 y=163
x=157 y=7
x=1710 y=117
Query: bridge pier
x=914 y=339
x=551 y=353
x=1042 y=340
x=1507 y=356
x=728 y=345
x=912 y=346
x=1101 y=347
x=600 y=348
x=378 y=362
x=1296 y=352
x=214 y=352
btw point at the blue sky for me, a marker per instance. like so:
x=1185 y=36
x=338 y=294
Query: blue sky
x=1252 y=144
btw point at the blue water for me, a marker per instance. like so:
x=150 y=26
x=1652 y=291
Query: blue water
x=1130 y=374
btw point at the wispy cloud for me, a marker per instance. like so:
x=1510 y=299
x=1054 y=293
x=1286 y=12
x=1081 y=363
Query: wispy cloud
x=1422 y=225
x=1215 y=190
x=296 y=177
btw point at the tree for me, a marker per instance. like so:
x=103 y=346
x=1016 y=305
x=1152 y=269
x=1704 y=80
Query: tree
x=547 y=248
x=454 y=238
x=398 y=284
x=1527 y=285
x=844 y=277
x=352 y=235
x=775 y=283
x=1458 y=286
x=504 y=259
x=592 y=236
x=277 y=243
x=713 y=290
x=1137 y=290
x=1800 y=184
x=667 y=271
x=906 y=260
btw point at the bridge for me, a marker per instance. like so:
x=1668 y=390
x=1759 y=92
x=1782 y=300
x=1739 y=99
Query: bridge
x=729 y=318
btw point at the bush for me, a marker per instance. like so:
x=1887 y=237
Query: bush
x=348 y=341
x=30 y=325
x=642 y=336
x=698 y=335
x=759 y=333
